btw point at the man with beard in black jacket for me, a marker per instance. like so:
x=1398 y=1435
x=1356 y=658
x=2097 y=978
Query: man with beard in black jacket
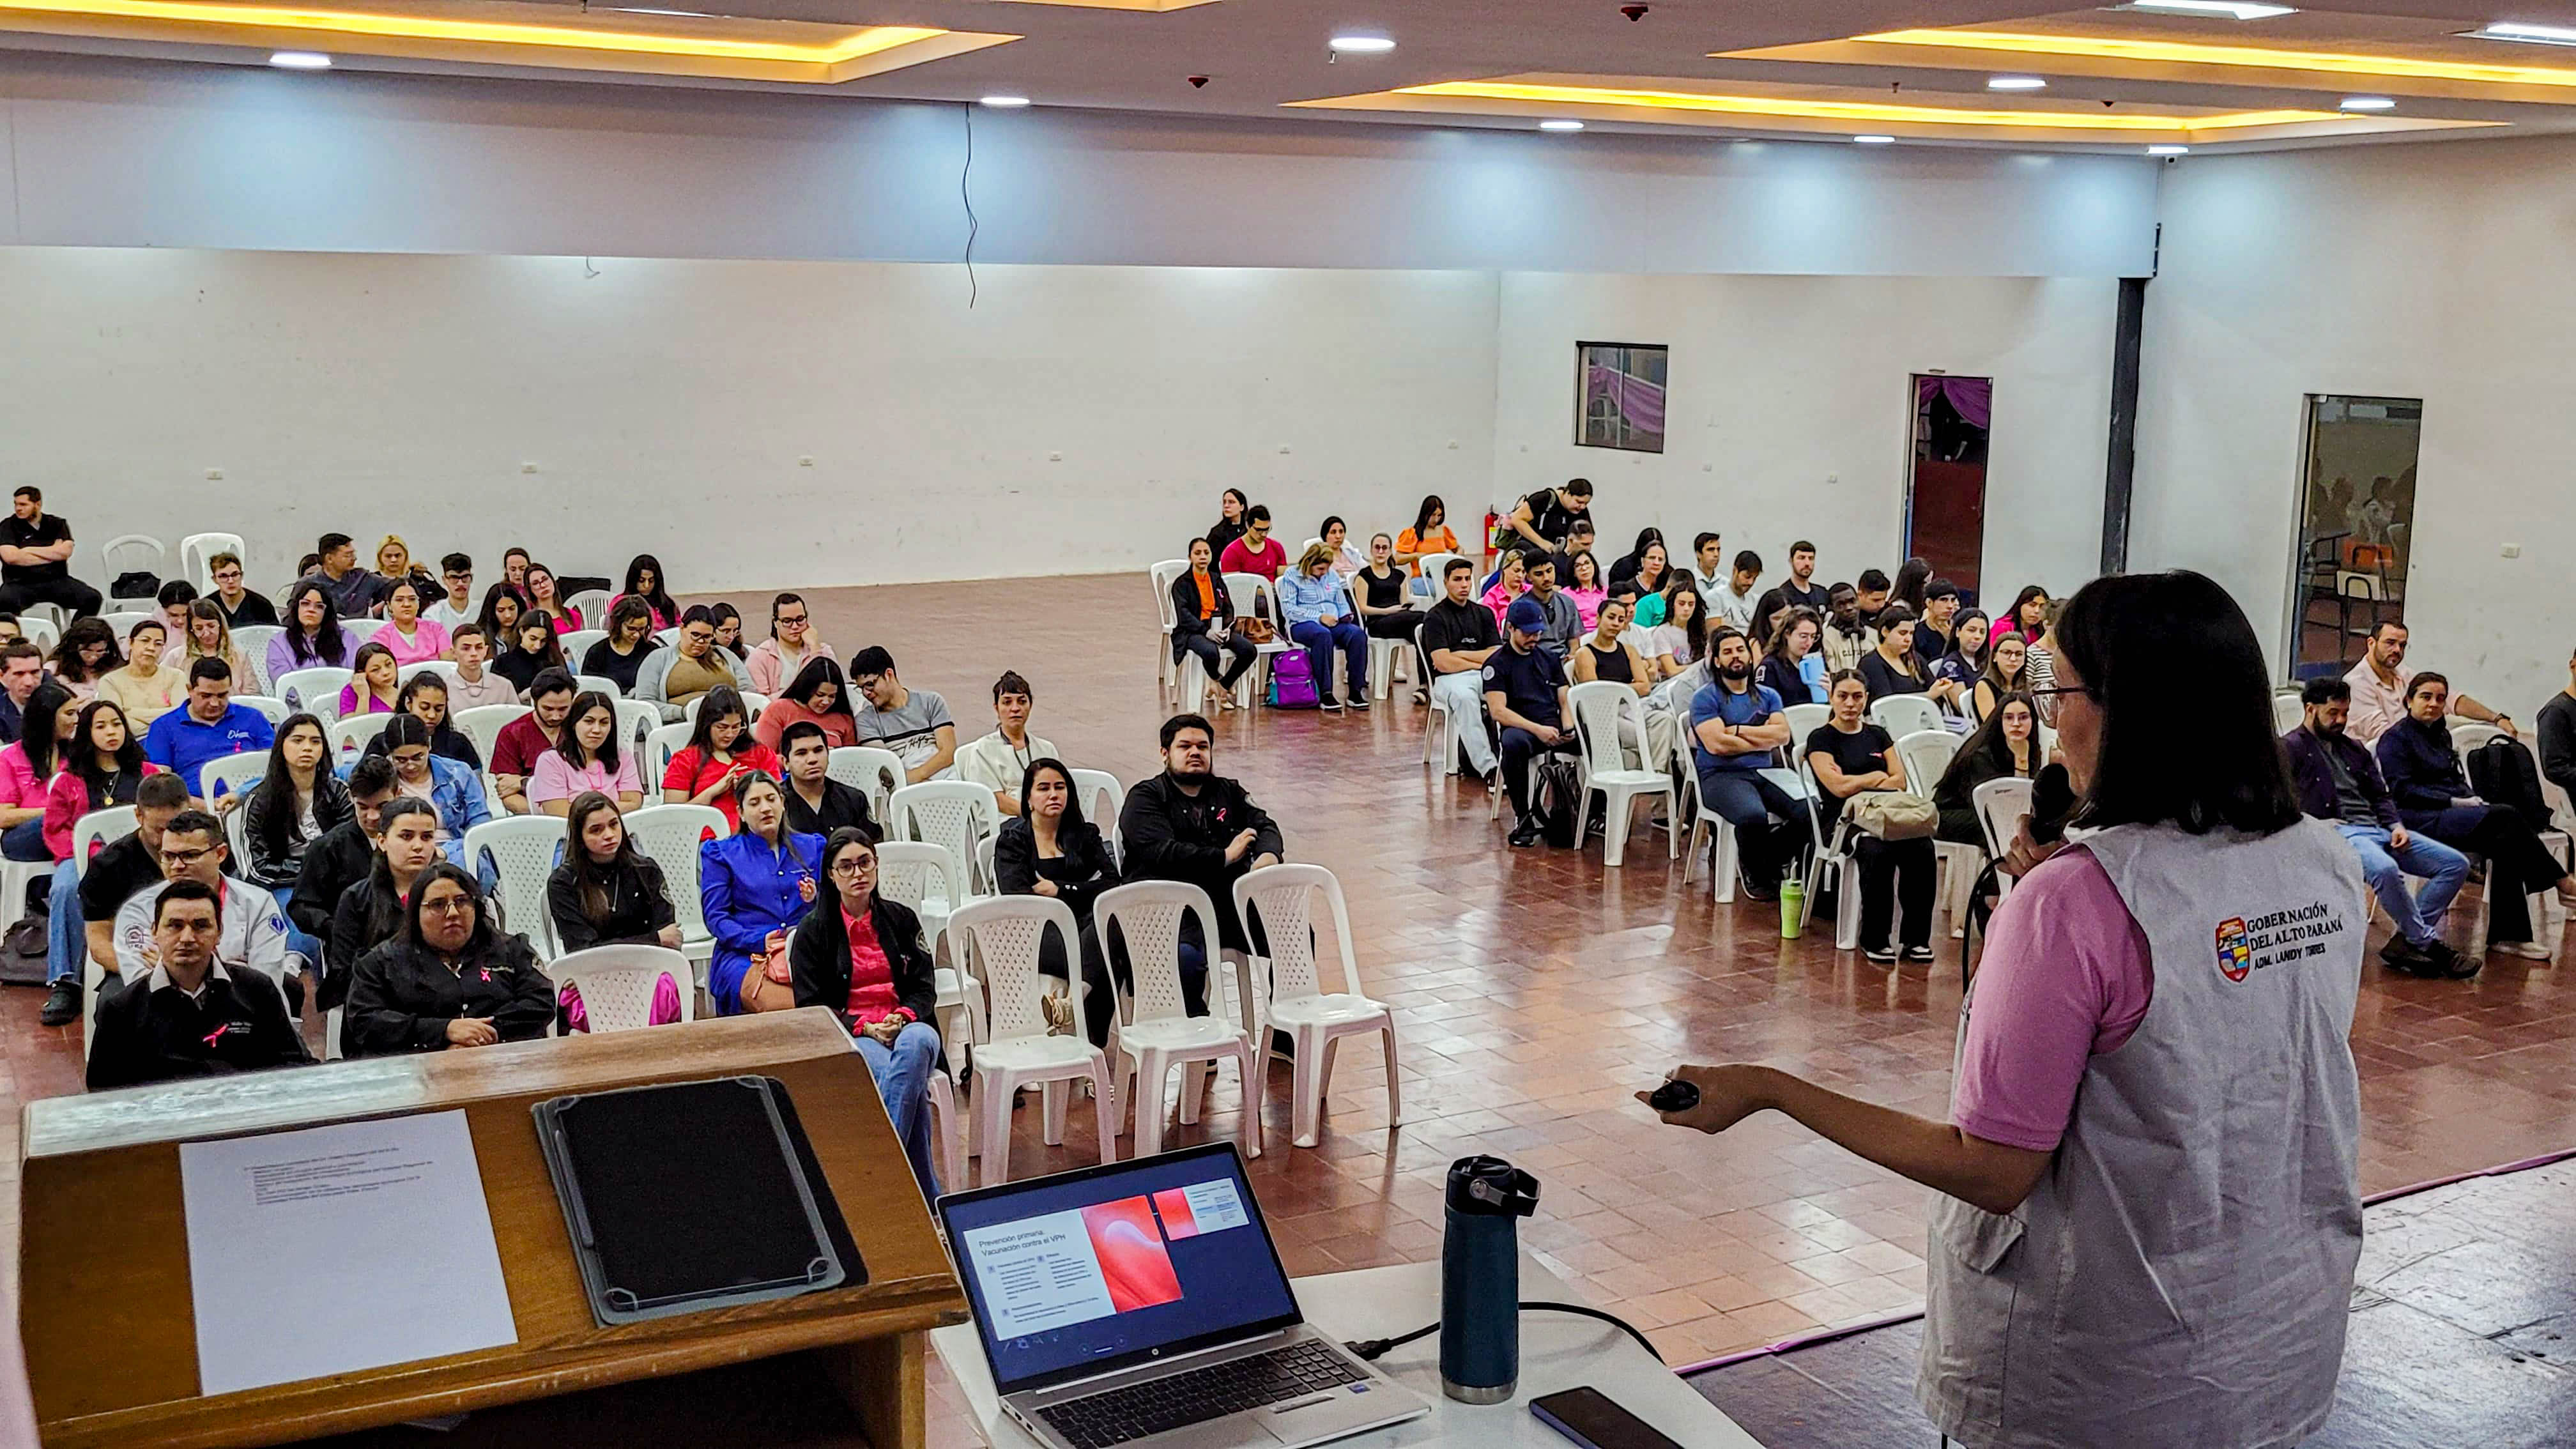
x=1191 y=824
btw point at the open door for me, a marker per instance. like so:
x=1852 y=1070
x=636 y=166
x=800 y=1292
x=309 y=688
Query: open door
x=1945 y=490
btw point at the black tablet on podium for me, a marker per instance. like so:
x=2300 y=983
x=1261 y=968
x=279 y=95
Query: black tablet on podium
x=689 y=1195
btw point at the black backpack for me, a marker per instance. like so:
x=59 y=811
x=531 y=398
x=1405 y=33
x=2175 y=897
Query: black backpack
x=1560 y=789
x=2502 y=773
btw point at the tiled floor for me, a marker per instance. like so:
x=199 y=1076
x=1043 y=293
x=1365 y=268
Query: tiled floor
x=1536 y=988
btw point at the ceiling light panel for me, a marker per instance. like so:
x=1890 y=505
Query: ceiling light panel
x=1986 y=44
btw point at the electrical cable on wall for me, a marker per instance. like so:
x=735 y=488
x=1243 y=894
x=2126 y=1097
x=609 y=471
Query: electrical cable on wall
x=972 y=225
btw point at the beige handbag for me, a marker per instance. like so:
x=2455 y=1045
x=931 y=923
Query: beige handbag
x=1893 y=815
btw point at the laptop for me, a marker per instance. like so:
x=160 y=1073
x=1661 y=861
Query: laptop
x=1143 y=1303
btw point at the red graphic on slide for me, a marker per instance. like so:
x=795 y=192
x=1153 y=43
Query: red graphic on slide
x=1133 y=1260
x=1178 y=1221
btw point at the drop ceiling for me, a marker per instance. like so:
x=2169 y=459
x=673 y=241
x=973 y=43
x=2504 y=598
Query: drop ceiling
x=1915 y=71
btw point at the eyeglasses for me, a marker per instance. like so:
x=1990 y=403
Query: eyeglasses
x=448 y=905
x=864 y=865
x=791 y=618
x=184 y=858
x=2060 y=691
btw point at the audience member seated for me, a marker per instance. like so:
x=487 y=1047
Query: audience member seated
x=1317 y=607
x=393 y=565
x=239 y=606
x=1510 y=581
x=503 y=603
x=412 y=638
x=1624 y=568
x=451 y=785
x=1736 y=728
x=312 y=637
x=1801 y=591
x=607 y=892
x=2339 y=782
x=2556 y=730
x=535 y=647
x=1652 y=576
x=2006 y=746
x=588 y=755
x=35 y=559
x=753 y=887
x=1913 y=586
x=192 y=1013
x=1544 y=518
x=86 y=651
x=1000 y=761
x=450 y=979
x=1347 y=558
x=2039 y=664
x=1682 y=638
x=546 y=601
x=2383 y=691
x=295 y=803
x=1606 y=654
x=370 y=910
x=1525 y=695
x=914 y=723
x=620 y=656
x=1895 y=667
x=425 y=699
x=791 y=645
x=141 y=687
x=690 y=667
x=1430 y=534
x=101 y=767
x=1564 y=618
x=1708 y=568
x=27 y=766
x=1203 y=614
x=2434 y=798
x=1936 y=631
x=817 y=804
x=1255 y=551
x=1051 y=850
x=336 y=860
x=353 y=591
x=1579 y=579
x=174 y=599
x=728 y=622
x=1460 y=635
x=644 y=581
x=254 y=931
x=1852 y=757
x=2027 y=619
x=1870 y=595
x=864 y=958
x=514 y=570
x=818 y=696
x=1231 y=523
x=82 y=923
x=2006 y=672
x=1578 y=541
x=475 y=684
x=375 y=682
x=1848 y=637
x=209 y=726
x=1793 y=666
x=455 y=604
x=1964 y=663
x=1191 y=824
x=720 y=750
x=206 y=637
x=1383 y=594
x=1735 y=601
x=525 y=740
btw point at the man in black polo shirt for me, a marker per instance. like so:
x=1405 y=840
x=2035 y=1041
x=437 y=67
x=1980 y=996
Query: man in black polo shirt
x=1459 y=634
x=1525 y=693
x=191 y=1015
x=1192 y=824
x=1544 y=518
x=1800 y=592
x=817 y=804
x=35 y=554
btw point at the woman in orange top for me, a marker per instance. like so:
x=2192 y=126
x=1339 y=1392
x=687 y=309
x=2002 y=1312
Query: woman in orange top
x=1203 y=624
x=1429 y=535
x=719 y=751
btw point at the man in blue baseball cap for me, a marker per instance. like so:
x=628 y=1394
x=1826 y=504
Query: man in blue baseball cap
x=1525 y=694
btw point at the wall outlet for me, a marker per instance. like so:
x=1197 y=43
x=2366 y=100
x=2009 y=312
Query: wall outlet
x=1059 y=457
x=805 y=460
x=2513 y=550
x=527 y=467
x=214 y=475
x=1832 y=479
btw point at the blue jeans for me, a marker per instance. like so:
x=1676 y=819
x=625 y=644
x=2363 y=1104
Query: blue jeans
x=66 y=945
x=2418 y=917
x=903 y=1079
x=1320 y=643
x=25 y=842
x=296 y=939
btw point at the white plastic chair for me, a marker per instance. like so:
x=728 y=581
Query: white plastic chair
x=670 y=835
x=253 y=641
x=655 y=761
x=524 y=850
x=1927 y=755
x=598 y=684
x=1283 y=897
x=235 y=773
x=926 y=878
x=753 y=702
x=97 y=830
x=1904 y=714
x=636 y=720
x=592 y=606
x=196 y=552
x=873 y=770
x=1598 y=708
x=41 y=630
x=483 y=725
x=1163 y=575
x=274 y=711
x=576 y=645
x=123 y=621
x=349 y=736
x=1431 y=582
x=2001 y=804
x=1253 y=597
x=128 y=552
x=2288 y=712
x=950 y=813
x=667 y=637
x=360 y=631
x=1440 y=732
x=313 y=691
x=1003 y=937
x=1155 y=1031
x=443 y=668
x=617 y=984
x=1101 y=798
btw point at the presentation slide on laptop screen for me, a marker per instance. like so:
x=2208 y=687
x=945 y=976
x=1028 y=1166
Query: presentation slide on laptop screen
x=1126 y=1261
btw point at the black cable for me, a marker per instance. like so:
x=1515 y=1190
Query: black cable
x=972 y=224
x=1368 y=1350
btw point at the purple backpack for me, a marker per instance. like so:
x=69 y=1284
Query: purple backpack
x=1292 y=681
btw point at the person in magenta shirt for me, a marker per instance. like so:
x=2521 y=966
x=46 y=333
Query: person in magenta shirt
x=864 y=957
x=1256 y=552
x=719 y=752
x=410 y=638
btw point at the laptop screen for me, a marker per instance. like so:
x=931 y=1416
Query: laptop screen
x=1114 y=1266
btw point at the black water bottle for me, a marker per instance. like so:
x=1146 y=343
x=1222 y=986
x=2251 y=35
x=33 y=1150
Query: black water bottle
x=1480 y=1279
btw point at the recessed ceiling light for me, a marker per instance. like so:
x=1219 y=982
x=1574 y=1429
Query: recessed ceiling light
x=2366 y=103
x=1006 y=103
x=299 y=60
x=1874 y=140
x=2015 y=83
x=2526 y=34
x=2232 y=9
x=1560 y=125
x=2168 y=150
x=1361 y=44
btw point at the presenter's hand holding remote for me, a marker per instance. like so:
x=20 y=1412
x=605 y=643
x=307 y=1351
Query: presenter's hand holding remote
x=1727 y=1095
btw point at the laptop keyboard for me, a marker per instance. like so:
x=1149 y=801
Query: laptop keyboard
x=1160 y=1405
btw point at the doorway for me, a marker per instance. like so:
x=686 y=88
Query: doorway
x=2355 y=522
x=1945 y=486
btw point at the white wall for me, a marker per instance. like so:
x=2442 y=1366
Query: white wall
x=2437 y=271
x=1780 y=383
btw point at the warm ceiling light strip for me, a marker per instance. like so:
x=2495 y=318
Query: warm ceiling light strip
x=871 y=41
x=1879 y=111
x=2251 y=57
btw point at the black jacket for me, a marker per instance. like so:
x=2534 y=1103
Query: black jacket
x=1185 y=608
x=331 y=807
x=2422 y=770
x=818 y=959
x=2314 y=778
x=842 y=805
x=1173 y=835
x=353 y=934
x=239 y=1024
x=639 y=906
x=1080 y=875
x=337 y=859
x=402 y=997
x=2556 y=729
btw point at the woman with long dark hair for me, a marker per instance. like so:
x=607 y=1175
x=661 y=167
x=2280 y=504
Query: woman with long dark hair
x=312 y=639
x=607 y=892
x=1230 y=523
x=1913 y=580
x=620 y=656
x=375 y=682
x=46 y=724
x=1851 y=757
x=863 y=957
x=587 y=757
x=2027 y=619
x=1791 y=666
x=644 y=580
x=2006 y=746
x=412 y=638
x=451 y=979
x=1628 y=565
x=1964 y=663
x=2159 y=1028
x=1430 y=534
x=545 y=600
x=292 y=805
x=719 y=752
x=728 y=622
x=819 y=696
x=86 y=651
x=503 y=603
x=534 y=646
x=1682 y=638
x=102 y=765
x=1049 y=849
x=753 y=887
x=1203 y=624
x=2006 y=672
x=452 y=786
x=371 y=911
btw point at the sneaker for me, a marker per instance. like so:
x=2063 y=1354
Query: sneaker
x=1923 y=955
x=2408 y=959
x=1329 y=704
x=1879 y=955
x=1525 y=835
x=1360 y=700
x=2529 y=950
x=63 y=1003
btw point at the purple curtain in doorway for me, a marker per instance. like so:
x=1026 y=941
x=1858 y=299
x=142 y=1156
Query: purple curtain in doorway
x=1974 y=397
x=1639 y=401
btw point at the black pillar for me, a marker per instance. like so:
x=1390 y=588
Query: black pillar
x=2121 y=470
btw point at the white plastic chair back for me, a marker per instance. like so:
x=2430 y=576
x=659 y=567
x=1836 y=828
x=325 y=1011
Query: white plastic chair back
x=597 y=684
x=1254 y=596
x=912 y=873
x=1004 y=937
x=41 y=630
x=1283 y=897
x=753 y=702
x=670 y=834
x=443 y=668
x=636 y=718
x=592 y=606
x=196 y=557
x=233 y=774
x=1100 y=796
x=483 y=724
x=523 y=850
x=871 y=769
x=360 y=631
x=1926 y=755
x=617 y=983
x=130 y=551
x=122 y=623
x=272 y=710
x=2470 y=734
x=349 y=736
x=659 y=746
x=253 y=641
x=314 y=691
x=1597 y=707
x=949 y=813
x=576 y=645
x=96 y=829
x=1804 y=720
x=667 y=637
x=2288 y=713
x=1164 y=575
x=2000 y=806
x=1435 y=574
x=1903 y=714
x=1147 y=917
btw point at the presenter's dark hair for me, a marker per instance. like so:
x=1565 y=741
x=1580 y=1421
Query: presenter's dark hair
x=2197 y=751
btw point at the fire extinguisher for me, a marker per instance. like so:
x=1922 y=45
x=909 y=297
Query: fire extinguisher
x=1493 y=536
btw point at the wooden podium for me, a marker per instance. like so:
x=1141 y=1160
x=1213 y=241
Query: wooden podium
x=110 y=1325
